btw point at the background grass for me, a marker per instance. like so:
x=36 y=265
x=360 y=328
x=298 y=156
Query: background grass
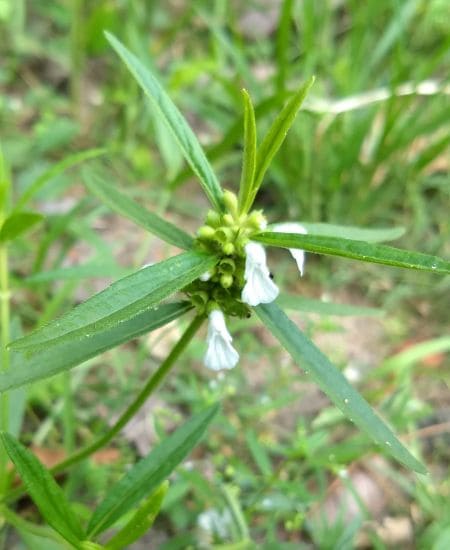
x=370 y=148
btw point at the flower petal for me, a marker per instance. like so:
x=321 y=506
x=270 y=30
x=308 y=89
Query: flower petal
x=220 y=354
x=297 y=253
x=259 y=287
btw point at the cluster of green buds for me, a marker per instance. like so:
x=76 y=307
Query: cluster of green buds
x=225 y=235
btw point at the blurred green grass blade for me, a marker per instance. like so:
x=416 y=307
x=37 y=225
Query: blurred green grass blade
x=46 y=494
x=277 y=133
x=62 y=354
x=373 y=235
x=249 y=156
x=18 y=223
x=393 y=31
x=408 y=357
x=172 y=117
x=5 y=182
x=121 y=301
x=285 y=28
x=150 y=472
x=130 y=209
x=311 y=305
x=259 y=453
x=141 y=521
x=334 y=384
x=357 y=250
x=55 y=171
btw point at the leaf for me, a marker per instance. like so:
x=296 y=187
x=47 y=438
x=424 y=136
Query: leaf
x=44 y=491
x=249 y=156
x=18 y=223
x=150 y=472
x=63 y=355
x=311 y=305
x=334 y=384
x=141 y=521
x=54 y=171
x=121 y=301
x=91 y=270
x=130 y=209
x=350 y=232
x=277 y=133
x=175 y=121
x=357 y=250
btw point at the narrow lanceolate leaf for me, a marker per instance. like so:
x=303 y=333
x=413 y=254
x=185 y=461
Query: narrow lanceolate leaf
x=150 y=472
x=277 y=133
x=249 y=156
x=372 y=235
x=357 y=250
x=44 y=491
x=54 y=172
x=121 y=301
x=334 y=384
x=175 y=121
x=130 y=209
x=64 y=354
x=311 y=305
x=18 y=223
x=141 y=521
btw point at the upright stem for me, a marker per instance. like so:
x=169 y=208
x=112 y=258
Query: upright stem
x=5 y=359
x=154 y=381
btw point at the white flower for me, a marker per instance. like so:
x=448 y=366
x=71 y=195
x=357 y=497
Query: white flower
x=289 y=227
x=220 y=353
x=259 y=287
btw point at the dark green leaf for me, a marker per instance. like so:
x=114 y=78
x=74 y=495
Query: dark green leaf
x=65 y=354
x=18 y=223
x=277 y=133
x=44 y=491
x=249 y=156
x=130 y=209
x=54 y=171
x=150 y=472
x=172 y=117
x=357 y=250
x=334 y=384
x=141 y=521
x=121 y=301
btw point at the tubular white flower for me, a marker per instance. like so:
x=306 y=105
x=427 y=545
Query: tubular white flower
x=259 y=287
x=220 y=353
x=297 y=254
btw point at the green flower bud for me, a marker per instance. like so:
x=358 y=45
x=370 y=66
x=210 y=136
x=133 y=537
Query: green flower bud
x=223 y=235
x=226 y=280
x=228 y=249
x=206 y=232
x=227 y=266
x=228 y=220
x=231 y=203
x=256 y=220
x=213 y=218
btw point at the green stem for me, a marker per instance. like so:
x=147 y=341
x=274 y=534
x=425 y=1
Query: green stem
x=154 y=381
x=5 y=359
